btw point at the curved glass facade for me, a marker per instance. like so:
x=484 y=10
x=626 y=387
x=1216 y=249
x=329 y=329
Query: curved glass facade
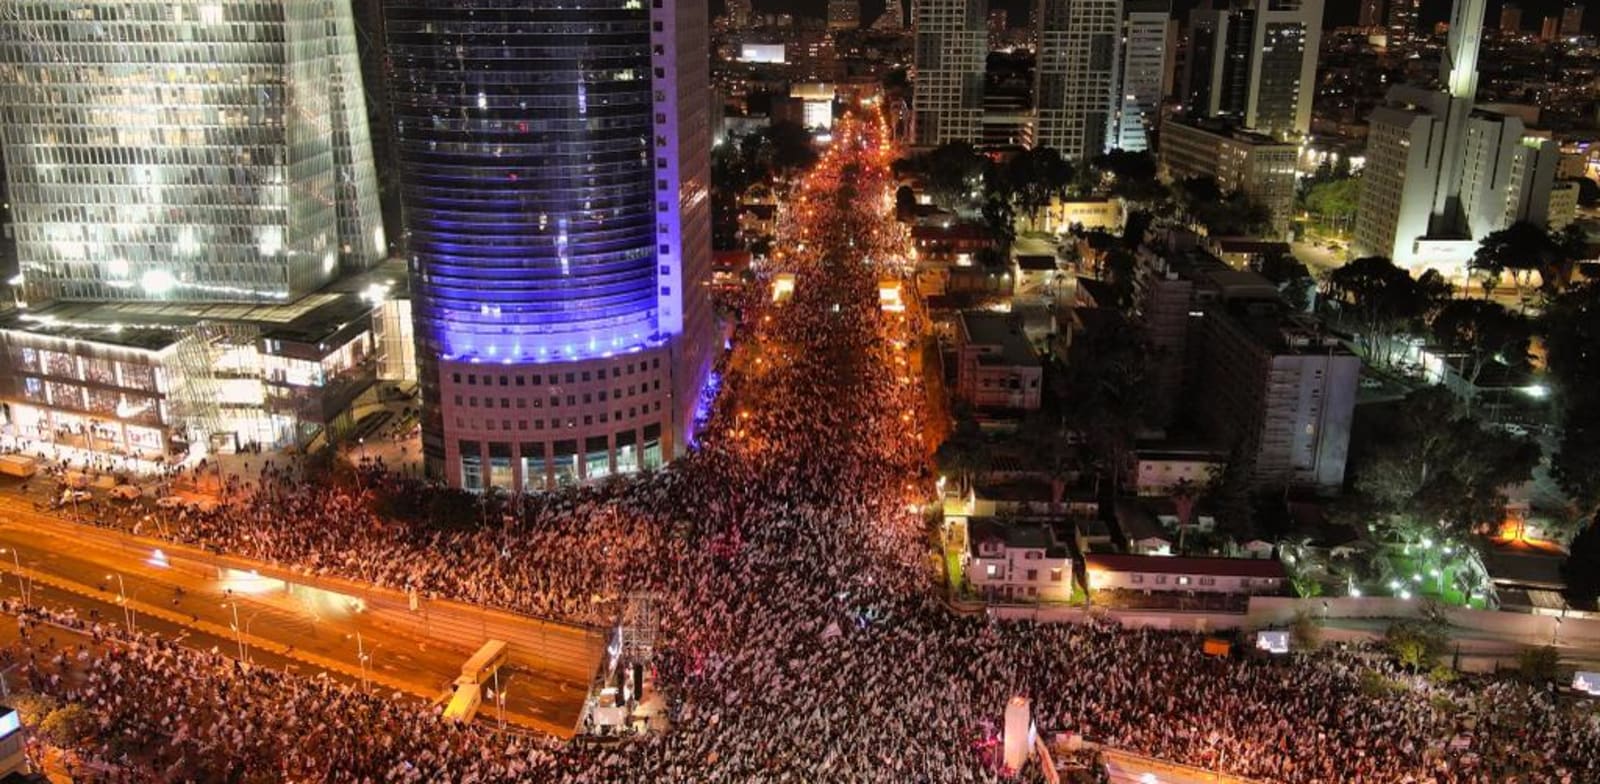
x=524 y=136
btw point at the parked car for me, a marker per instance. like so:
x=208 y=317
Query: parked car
x=169 y=502
x=70 y=496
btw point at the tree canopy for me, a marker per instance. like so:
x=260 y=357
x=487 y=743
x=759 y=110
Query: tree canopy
x=1132 y=176
x=1581 y=570
x=1223 y=215
x=1571 y=327
x=1334 y=200
x=1379 y=300
x=1523 y=249
x=1482 y=332
x=952 y=173
x=1291 y=277
x=1436 y=465
x=1031 y=178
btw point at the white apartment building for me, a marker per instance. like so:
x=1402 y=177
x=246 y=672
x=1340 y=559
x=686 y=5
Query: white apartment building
x=1440 y=175
x=1018 y=561
x=952 y=44
x=1280 y=390
x=1076 y=75
x=1146 y=25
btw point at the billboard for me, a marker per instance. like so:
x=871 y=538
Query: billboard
x=1273 y=642
x=761 y=53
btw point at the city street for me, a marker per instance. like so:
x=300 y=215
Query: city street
x=313 y=630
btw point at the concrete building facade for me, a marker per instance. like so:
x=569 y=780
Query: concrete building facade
x=1254 y=63
x=1018 y=561
x=1239 y=160
x=995 y=366
x=1279 y=391
x=952 y=44
x=1076 y=75
x=1146 y=27
x=1441 y=175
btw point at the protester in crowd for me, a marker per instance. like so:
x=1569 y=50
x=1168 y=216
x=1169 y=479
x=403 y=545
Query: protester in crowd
x=801 y=637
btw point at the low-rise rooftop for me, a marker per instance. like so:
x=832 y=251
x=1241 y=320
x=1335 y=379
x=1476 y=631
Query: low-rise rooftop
x=1000 y=331
x=1264 y=568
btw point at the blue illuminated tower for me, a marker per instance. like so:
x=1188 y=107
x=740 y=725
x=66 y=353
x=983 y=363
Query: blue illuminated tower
x=555 y=182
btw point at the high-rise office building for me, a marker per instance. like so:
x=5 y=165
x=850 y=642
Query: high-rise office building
x=1510 y=19
x=739 y=12
x=193 y=151
x=1550 y=29
x=1283 y=77
x=892 y=19
x=1255 y=63
x=1441 y=175
x=844 y=14
x=559 y=233
x=1572 y=19
x=952 y=45
x=1371 y=14
x=215 y=158
x=1215 y=65
x=1075 y=75
x=1404 y=21
x=1146 y=26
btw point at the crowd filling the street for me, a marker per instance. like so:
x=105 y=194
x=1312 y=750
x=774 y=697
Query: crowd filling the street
x=803 y=635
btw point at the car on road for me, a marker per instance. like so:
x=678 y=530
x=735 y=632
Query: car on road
x=1371 y=383
x=169 y=502
x=79 y=496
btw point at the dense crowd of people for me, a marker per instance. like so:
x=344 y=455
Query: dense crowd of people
x=801 y=637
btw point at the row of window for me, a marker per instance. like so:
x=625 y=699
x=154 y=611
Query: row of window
x=560 y=461
x=572 y=400
x=555 y=378
x=605 y=417
x=995 y=572
x=1161 y=579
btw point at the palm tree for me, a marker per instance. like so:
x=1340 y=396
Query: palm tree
x=1184 y=496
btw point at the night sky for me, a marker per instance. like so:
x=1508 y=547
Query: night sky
x=1339 y=12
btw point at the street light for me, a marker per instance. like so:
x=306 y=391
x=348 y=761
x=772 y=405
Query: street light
x=22 y=586
x=238 y=635
x=122 y=597
x=498 y=695
x=361 y=657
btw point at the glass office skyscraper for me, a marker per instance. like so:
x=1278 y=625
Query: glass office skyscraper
x=185 y=150
x=555 y=172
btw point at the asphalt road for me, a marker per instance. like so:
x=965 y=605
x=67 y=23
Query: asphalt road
x=309 y=630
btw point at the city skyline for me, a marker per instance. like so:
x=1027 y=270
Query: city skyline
x=1155 y=363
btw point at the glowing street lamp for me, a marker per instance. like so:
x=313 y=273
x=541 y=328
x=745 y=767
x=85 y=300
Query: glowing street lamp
x=25 y=588
x=122 y=598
